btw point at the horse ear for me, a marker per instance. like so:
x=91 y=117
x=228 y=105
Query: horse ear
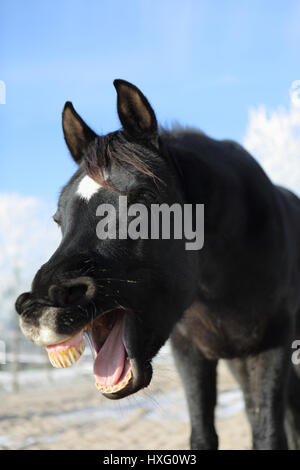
x=77 y=133
x=135 y=112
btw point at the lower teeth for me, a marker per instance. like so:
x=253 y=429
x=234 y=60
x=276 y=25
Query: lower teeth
x=117 y=387
x=106 y=388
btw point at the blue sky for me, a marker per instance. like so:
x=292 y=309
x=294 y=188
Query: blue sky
x=200 y=62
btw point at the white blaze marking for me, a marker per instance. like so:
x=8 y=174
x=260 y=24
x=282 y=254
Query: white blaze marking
x=87 y=188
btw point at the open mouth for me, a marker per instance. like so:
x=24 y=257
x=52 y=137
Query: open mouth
x=105 y=334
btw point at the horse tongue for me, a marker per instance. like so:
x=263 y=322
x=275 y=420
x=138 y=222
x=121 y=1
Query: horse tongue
x=109 y=363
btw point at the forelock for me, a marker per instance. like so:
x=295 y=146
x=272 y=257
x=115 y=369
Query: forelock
x=114 y=150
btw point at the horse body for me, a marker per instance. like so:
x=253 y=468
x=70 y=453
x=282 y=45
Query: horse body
x=236 y=299
x=248 y=273
x=246 y=308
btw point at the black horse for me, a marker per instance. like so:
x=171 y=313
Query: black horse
x=237 y=298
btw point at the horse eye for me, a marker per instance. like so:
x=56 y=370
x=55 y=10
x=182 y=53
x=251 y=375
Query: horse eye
x=56 y=218
x=142 y=194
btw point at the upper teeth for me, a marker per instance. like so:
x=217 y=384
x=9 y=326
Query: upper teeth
x=67 y=357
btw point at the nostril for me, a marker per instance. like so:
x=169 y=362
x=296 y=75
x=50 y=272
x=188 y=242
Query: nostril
x=76 y=293
x=21 y=302
x=63 y=296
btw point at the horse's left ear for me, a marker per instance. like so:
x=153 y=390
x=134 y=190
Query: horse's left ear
x=135 y=112
x=77 y=133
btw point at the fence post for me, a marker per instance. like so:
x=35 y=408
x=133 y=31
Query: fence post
x=15 y=339
x=15 y=357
